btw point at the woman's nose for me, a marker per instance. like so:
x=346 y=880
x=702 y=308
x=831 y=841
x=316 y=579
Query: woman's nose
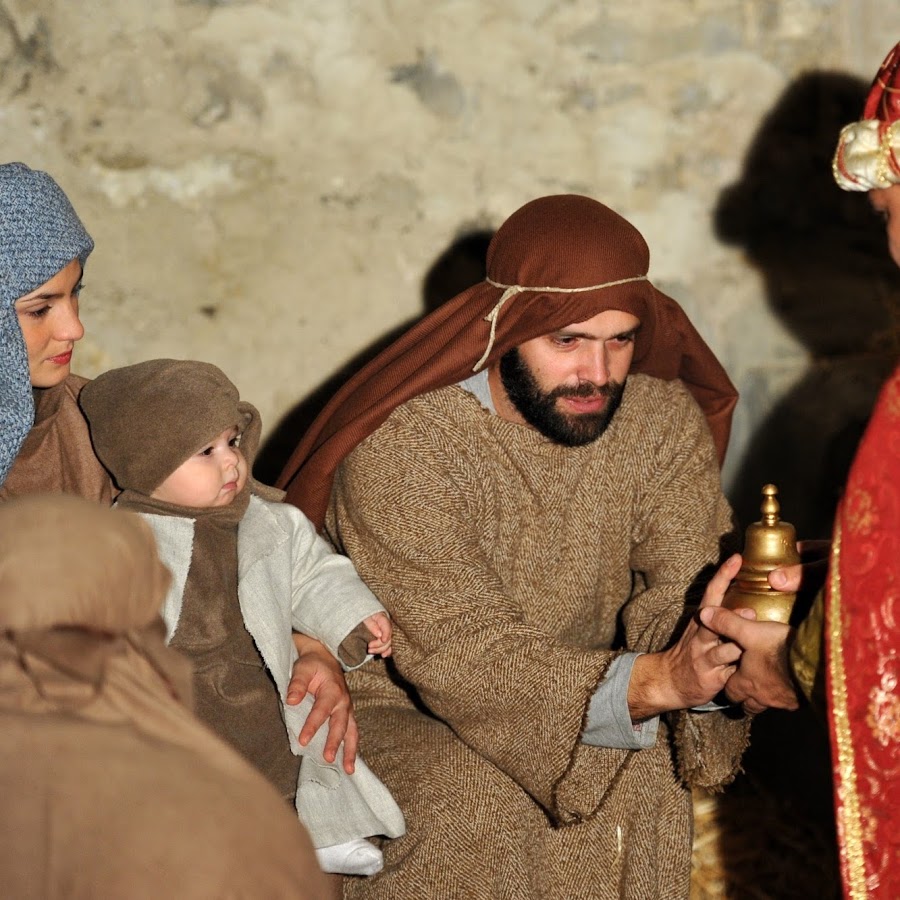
x=69 y=327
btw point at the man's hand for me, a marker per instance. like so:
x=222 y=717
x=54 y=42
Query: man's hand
x=809 y=574
x=693 y=670
x=318 y=673
x=380 y=626
x=763 y=678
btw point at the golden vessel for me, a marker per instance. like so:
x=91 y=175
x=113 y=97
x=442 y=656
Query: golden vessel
x=768 y=544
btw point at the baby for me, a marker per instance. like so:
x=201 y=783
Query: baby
x=247 y=570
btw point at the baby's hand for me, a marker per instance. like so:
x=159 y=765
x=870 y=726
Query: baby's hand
x=380 y=626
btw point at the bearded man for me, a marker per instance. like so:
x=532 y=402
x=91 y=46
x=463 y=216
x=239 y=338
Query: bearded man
x=529 y=481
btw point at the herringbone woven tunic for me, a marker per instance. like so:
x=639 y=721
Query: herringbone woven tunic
x=515 y=570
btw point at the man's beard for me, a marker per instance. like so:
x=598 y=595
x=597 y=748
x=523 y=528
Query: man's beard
x=539 y=409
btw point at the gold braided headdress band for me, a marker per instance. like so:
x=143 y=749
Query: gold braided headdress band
x=867 y=156
x=868 y=151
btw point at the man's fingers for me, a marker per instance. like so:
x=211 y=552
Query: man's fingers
x=297 y=690
x=724 y=622
x=810 y=572
x=732 y=692
x=337 y=728
x=318 y=715
x=351 y=745
x=719 y=583
x=298 y=686
x=726 y=654
x=786 y=578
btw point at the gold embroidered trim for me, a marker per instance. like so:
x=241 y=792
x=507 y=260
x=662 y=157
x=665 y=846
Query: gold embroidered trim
x=848 y=797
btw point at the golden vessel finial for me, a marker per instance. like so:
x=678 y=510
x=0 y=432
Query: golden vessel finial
x=770 y=508
x=768 y=544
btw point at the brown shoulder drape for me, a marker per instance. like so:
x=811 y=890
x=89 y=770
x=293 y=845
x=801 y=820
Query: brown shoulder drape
x=56 y=456
x=587 y=259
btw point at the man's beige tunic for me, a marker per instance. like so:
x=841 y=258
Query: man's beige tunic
x=515 y=571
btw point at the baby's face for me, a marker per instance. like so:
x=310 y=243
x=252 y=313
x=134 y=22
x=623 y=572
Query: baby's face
x=212 y=477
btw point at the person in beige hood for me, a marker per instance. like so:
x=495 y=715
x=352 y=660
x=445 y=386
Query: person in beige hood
x=110 y=786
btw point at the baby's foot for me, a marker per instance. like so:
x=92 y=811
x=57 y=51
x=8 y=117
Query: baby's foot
x=357 y=857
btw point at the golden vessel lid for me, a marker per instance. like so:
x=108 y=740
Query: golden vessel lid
x=770 y=542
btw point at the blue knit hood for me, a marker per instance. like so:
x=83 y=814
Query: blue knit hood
x=40 y=234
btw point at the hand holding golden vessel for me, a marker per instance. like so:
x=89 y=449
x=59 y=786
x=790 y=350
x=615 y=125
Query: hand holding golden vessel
x=769 y=544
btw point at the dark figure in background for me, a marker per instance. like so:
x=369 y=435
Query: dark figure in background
x=846 y=653
x=821 y=253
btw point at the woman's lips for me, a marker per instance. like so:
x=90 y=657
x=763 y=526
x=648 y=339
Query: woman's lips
x=62 y=359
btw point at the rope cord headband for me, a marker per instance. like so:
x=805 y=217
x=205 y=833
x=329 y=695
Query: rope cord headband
x=510 y=290
x=564 y=239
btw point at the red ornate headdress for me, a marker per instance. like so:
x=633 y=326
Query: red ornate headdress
x=868 y=151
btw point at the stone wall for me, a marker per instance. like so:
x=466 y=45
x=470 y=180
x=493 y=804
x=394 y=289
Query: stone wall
x=272 y=183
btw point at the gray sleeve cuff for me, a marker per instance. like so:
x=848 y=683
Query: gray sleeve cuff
x=608 y=719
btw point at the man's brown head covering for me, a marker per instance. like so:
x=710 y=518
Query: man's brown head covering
x=868 y=151
x=555 y=262
x=147 y=419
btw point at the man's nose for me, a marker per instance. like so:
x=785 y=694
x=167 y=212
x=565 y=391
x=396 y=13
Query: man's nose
x=594 y=364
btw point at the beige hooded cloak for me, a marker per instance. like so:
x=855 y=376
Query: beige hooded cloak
x=110 y=787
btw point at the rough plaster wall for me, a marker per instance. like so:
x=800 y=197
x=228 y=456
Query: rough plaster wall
x=269 y=182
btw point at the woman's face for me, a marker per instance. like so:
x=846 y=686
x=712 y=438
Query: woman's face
x=50 y=325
